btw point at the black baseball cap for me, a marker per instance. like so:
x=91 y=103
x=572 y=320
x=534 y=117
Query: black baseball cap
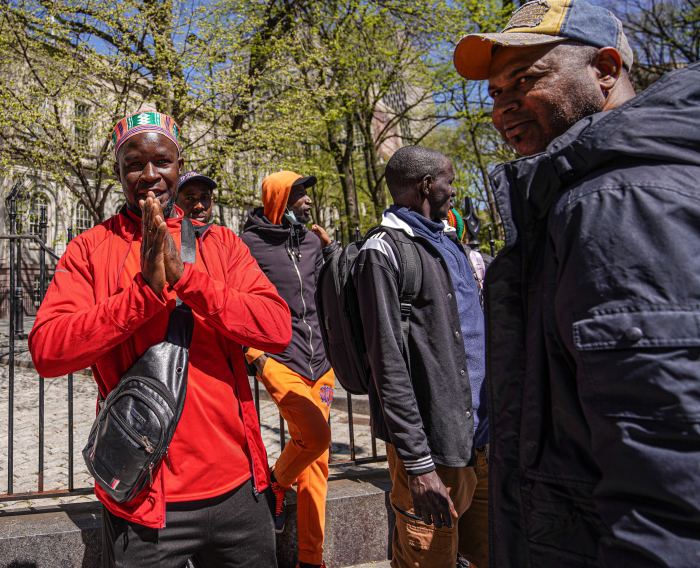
x=195 y=176
x=307 y=181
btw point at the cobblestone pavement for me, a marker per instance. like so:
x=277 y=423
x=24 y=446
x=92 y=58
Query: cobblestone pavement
x=26 y=434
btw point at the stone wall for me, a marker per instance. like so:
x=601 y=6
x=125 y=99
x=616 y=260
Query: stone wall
x=359 y=522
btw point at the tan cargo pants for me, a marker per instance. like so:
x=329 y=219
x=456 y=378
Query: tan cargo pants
x=474 y=524
x=415 y=544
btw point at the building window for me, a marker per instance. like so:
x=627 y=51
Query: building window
x=83 y=219
x=39 y=206
x=23 y=205
x=81 y=125
x=396 y=100
x=29 y=210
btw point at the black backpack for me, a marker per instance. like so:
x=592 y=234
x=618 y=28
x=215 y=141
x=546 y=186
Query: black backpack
x=132 y=432
x=339 y=314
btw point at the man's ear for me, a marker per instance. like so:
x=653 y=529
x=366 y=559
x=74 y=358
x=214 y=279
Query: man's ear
x=115 y=170
x=180 y=164
x=426 y=184
x=608 y=66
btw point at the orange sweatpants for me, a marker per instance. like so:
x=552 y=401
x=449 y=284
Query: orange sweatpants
x=305 y=405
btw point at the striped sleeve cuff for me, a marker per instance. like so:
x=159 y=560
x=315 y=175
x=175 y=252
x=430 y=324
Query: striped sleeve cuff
x=419 y=466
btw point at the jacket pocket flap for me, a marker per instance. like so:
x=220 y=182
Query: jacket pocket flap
x=635 y=329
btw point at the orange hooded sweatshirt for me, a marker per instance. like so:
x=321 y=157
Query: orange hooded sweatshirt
x=275 y=194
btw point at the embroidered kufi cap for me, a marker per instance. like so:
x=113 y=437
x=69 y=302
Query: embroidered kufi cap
x=147 y=120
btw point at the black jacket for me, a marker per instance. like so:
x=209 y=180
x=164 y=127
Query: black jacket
x=427 y=412
x=593 y=311
x=291 y=258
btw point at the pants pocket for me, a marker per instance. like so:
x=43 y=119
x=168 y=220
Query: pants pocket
x=418 y=544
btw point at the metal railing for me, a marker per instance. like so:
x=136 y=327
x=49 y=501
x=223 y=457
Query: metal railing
x=17 y=333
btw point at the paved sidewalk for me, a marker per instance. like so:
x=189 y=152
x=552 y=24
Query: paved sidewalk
x=26 y=434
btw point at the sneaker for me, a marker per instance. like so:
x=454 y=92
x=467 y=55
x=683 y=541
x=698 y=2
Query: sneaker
x=462 y=562
x=279 y=496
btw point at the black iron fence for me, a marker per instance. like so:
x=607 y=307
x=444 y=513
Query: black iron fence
x=31 y=296
x=16 y=298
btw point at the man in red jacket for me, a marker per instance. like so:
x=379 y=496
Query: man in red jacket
x=110 y=300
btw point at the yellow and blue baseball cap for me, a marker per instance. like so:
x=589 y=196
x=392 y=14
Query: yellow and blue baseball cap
x=541 y=22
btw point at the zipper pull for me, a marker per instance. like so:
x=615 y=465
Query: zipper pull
x=147 y=445
x=150 y=473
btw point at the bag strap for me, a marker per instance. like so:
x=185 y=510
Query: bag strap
x=181 y=320
x=187 y=246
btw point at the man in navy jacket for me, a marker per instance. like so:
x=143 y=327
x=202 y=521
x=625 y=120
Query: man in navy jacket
x=593 y=306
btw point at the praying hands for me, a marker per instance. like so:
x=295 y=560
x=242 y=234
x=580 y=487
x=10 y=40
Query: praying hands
x=160 y=260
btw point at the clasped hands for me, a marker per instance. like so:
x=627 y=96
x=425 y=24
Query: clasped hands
x=160 y=260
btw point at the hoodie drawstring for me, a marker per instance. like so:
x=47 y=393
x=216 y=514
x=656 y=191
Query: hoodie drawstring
x=294 y=242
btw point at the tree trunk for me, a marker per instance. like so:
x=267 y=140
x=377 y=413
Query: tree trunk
x=342 y=158
x=167 y=74
x=493 y=210
x=375 y=185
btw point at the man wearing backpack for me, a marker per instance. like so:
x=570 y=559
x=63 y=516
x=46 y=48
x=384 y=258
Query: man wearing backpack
x=425 y=389
x=110 y=300
x=300 y=379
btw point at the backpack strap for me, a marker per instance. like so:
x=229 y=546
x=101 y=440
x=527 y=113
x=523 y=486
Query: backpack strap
x=410 y=278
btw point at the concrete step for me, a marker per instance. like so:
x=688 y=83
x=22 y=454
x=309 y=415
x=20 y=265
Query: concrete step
x=359 y=522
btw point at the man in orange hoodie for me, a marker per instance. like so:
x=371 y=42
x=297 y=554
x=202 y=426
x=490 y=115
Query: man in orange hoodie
x=110 y=300
x=299 y=379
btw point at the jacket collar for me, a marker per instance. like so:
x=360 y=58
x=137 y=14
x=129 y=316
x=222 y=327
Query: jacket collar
x=392 y=221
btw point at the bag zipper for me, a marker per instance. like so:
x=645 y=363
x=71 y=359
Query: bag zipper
x=137 y=394
x=156 y=455
x=143 y=440
x=157 y=386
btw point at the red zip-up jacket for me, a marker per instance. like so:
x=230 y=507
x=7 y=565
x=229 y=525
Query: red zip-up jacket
x=99 y=312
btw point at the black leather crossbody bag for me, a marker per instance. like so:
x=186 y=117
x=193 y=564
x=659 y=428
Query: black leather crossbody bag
x=137 y=420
